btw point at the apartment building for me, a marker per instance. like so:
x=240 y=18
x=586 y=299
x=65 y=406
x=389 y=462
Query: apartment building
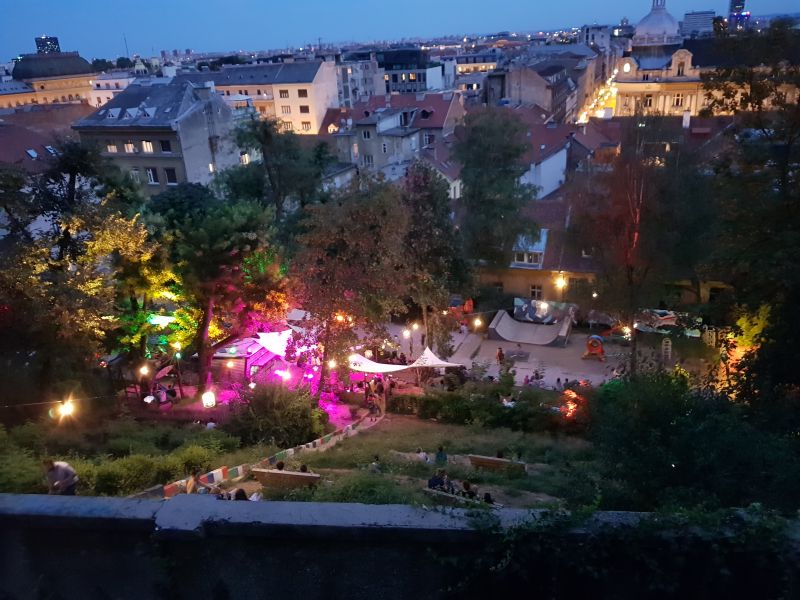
x=164 y=132
x=107 y=85
x=410 y=70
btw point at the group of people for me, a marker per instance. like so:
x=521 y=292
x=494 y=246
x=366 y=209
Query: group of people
x=442 y=482
x=281 y=466
x=440 y=458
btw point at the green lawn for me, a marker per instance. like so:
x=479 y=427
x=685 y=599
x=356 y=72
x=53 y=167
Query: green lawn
x=345 y=466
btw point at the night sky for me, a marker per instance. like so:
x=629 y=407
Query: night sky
x=95 y=28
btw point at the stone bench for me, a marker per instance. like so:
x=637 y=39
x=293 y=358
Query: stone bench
x=285 y=480
x=456 y=499
x=490 y=463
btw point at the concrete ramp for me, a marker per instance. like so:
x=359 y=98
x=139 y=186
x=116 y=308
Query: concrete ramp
x=504 y=327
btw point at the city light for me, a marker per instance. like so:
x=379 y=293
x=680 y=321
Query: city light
x=209 y=399
x=144 y=370
x=561 y=282
x=594 y=294
x=229 y=364
x=406 y=333
x=477 y=322
x=177 y=345
x=414 y=326
x=252 y=385
x=331 y=364
x=66 y=408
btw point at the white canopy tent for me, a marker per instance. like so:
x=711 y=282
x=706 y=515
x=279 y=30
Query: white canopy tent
x=427 y=359
x=430 y=360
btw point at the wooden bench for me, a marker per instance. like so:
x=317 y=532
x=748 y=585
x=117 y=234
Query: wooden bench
x=490 y=463
x=285 y=480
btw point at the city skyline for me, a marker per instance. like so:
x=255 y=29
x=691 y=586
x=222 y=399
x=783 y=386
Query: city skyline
x=98 y=32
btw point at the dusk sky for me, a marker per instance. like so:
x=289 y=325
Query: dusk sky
x=95 y=28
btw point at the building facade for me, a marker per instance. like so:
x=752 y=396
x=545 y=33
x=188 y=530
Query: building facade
x=410 y=71
x=698 y=23
x=164 y=133
x=358 y=78
x=107 y=85
x=51 y=78
x=47 y=44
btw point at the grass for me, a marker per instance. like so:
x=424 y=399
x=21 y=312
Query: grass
x=561 y=456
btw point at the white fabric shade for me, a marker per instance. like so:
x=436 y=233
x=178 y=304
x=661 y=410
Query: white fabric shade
x=275 y=341
x=364 y=365
x=429 y=359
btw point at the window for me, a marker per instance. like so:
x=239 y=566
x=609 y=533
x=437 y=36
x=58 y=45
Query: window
x=681 y=69
x=302 y=93
x=306 y=125
x=648 y=101
x=172 y=176
x=412 y=76
x=645 y=76
x=678 y=101
x=626 y=68
x=368 y=161
x=533 y=258
x=244 y=158
x=135 y=175
x=385 y=148
x=111 y=148
x=258 y=92
x=166 y=146
x=288 y=126
x=304 y=110
x=366 y=134
x=262 y=110
x=283 y=93
x=147 y=146
x=428 y=138
x=536 y=292
x=498 y=287
x=152 y=175
x=130 y=148
x=211 y=167
x=116 y=85
x=286 y=110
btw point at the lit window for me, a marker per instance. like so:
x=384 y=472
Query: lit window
x=166 y=146
x=288 y=126
x=678 y=101
x=536 y=292
x=130 y=148
x=412 y=76
x=626 y=68
x=111 y=148
x=172 y=176
x=302 y=93
x=211 y=167
x=286 y=110
x=283 y=93
x=648 y=101
x=135 y=175
x=306 y=125
x=147 y=146
x=304 y=110
x=244 y=158
x=152 y=175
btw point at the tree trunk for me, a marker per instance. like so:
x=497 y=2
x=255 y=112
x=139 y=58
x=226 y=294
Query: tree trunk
x=425 y=325
x=204 y=353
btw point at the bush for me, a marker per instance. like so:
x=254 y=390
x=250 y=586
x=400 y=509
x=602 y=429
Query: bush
x=20 y=472
x=366 y=488
x=276 y=415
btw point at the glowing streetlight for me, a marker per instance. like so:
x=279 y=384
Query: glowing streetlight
x=144 y=370
x=561 y=285
x=209 y=399
x=229 y=364
x=340 y=318
x=477 y=322
x=444 y=313
x=406 y=333
x=415 y=326
x=66 y=408
x=594 y=294
x=252 y=385
x=331 y=364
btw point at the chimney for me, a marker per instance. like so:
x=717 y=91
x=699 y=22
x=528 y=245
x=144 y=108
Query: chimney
x=205 y=90
x=687 y=119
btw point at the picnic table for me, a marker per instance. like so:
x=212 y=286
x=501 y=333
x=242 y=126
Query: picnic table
x=285 y=480
x=490 y=463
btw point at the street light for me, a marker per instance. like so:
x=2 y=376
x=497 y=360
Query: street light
x=561 y=284
x=144 y=370
x=414 y=326
x=331 y=364
x=66 y=408
x=594 y=295
x=477 y=322
x=209 y=399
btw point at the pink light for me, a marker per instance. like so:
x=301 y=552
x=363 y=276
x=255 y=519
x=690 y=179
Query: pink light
x=285 y=375
x=309 y=376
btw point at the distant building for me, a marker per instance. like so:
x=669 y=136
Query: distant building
x=596 y=35
x=358 y=78
x=297 y=94
x=698 y=23
x=165 y=132
x=47 y=45
x=50 y=78
x=544 y=83
x=410 y=70
x=107 y=85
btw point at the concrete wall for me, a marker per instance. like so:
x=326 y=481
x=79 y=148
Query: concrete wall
x=549 y=175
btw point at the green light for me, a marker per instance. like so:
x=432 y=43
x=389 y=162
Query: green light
x=178 y=355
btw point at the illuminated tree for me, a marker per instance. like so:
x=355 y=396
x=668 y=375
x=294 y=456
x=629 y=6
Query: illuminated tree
x=352 y=269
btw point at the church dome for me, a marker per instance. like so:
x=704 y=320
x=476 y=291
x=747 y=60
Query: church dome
x=56 y=64
x=657 y=28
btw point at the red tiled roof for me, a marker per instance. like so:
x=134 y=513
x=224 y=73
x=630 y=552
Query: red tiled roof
x=15 y=141
x=437 y=104
x=561 y=252
x=334 y=116
x=547 y=140
x=439 y=156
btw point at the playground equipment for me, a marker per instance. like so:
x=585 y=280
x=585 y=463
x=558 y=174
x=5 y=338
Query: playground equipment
x=594 y=348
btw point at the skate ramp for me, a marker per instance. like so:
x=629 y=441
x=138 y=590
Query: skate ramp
x=504 y=327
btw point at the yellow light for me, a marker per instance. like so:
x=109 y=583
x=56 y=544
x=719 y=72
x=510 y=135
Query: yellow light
x=66 y=408
x=368 y=353
x=340 y=318
x=144 y=370
x=561 y=283
x=209 y=399
x=626 y=330
x=406 y=333
x=477 y=322
x=594 y=294
x=444 y=313
x=331 y=364
x=414 y=326
x=177 y=345
x=229 y=364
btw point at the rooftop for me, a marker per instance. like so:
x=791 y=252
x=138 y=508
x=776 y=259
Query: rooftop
x=56 y=64
x=260 y=74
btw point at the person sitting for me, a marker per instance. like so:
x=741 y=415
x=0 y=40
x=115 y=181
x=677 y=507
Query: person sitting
x=526 y=380
x=467 y=490
x=487 y=497
x=423 y=456
x=240 y=494
x=303 y=469
x=441 y=456
x=160 y=393
x=448 y=485
x=437 y=481
x=280 y=465
x=194 y=485
x=375 y=465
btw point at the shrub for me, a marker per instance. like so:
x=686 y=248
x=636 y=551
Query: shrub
x=20 y=472
x=366 y=488
x=193 y=457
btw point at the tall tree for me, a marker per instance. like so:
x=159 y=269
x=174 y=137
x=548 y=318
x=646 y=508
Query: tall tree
x=433 y=248
x=491 y=147
x=209 y=242
x=351 y=271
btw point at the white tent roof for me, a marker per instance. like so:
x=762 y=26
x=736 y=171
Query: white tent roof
x=429 y=359
x=365 y=365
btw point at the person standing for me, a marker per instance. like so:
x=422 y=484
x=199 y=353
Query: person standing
x=61 y=477
x=500 y=356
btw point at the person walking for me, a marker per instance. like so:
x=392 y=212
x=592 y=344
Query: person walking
x=61 y=477
x=500 y=356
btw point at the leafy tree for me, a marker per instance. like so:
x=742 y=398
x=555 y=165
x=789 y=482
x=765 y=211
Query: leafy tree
x=101 y=64
x=286 y=170
x=434 y=255
x=491 y=148
x=208 y=241
x=124 y=62
x=351 y=271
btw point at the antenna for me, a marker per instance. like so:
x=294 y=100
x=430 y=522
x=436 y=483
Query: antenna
x=127 y=52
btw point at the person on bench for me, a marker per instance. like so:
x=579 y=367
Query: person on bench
x=467 y=490
x=437 y=481
x=280 y=465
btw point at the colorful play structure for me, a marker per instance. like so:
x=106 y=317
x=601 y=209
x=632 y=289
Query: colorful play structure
x=594 y=348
